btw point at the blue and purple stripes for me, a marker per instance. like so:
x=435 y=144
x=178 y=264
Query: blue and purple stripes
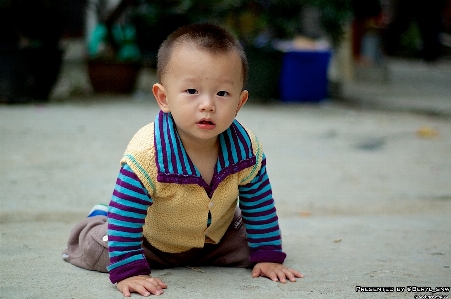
x=171 y=158
x=236 y=146
x=126 y=214
x=260 y=218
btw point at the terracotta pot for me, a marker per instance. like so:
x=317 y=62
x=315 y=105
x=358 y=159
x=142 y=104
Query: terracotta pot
x=113 y=76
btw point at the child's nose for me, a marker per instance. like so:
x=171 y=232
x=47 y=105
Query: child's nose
x=207 y=103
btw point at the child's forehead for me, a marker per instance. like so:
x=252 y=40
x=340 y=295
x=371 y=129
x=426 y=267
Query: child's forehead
x=191 y=46
x=182 y=52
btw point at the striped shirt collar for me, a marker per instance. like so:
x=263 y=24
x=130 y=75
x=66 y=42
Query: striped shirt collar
x=175 y=166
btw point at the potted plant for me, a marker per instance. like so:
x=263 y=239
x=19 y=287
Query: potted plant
x=30 y=53
x=114 y=60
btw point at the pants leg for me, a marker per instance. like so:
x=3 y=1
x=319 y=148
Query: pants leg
x=86 y=247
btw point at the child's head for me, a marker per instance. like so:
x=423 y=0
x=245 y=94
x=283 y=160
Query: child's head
x=207 y=37
x=202 y=71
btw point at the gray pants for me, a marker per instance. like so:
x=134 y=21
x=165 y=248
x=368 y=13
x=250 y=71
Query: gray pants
x=87 y=248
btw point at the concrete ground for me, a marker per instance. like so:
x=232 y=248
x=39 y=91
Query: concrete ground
x=363 y=194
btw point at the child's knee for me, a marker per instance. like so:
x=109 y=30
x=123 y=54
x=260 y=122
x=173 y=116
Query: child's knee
x=95 y=250
x=88 y=245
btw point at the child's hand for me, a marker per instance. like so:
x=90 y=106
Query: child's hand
x=275 y=272
x=142 y=284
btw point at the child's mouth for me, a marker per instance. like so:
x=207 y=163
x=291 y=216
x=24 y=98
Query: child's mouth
x=206 y=124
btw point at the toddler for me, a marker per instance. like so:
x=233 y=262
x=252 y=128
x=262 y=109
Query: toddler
x=193 y=188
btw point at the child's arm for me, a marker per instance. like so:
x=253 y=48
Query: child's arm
x=262 y=227
x=126 y=214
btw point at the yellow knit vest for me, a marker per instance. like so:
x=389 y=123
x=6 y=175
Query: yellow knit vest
x=177 y=219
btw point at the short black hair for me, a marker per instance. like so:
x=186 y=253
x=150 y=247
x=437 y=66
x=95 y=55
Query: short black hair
x=209 y=37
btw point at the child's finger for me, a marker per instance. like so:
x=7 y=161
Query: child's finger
x=143 y=290
x=256 y=272
x=126 y=291
x=153 y=287
x=273 y=276
x=160 y=282
x=297 y=273
x=290 y=275
x=282 y=277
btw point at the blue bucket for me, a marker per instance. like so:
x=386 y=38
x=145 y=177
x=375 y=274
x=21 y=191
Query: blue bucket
x=303 y=77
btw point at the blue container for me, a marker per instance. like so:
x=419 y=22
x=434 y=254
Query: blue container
x=303 y=77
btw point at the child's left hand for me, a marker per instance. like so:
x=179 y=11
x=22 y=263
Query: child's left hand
x=275 y=272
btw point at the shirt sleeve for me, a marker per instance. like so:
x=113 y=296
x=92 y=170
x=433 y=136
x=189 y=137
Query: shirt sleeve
x=260 y=218
x=126 y=214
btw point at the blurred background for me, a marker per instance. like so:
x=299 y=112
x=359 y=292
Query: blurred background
x=298 y=50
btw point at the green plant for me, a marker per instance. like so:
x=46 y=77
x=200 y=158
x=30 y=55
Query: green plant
x=280 y=19
x=334 y=16
x=251 y=20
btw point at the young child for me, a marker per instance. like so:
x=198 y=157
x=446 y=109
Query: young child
x=181 y=177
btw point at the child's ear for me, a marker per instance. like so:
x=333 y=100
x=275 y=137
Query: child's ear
x=243 y=99
x=160 y=95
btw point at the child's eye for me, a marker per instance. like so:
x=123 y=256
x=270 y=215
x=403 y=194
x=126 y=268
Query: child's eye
x=222 y=93
x=191 y=91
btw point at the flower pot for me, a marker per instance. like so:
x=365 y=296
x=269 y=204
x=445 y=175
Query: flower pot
x=113 y=76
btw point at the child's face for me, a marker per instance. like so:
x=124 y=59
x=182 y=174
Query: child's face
x=203 y=91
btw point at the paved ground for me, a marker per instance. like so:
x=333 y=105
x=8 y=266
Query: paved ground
x=412 y=86
x=363 y=195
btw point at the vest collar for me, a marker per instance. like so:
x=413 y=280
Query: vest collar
x=175 y=166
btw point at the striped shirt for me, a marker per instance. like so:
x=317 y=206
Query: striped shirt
x=130 y=200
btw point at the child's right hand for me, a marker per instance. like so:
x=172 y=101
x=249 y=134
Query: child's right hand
x=142 y=284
